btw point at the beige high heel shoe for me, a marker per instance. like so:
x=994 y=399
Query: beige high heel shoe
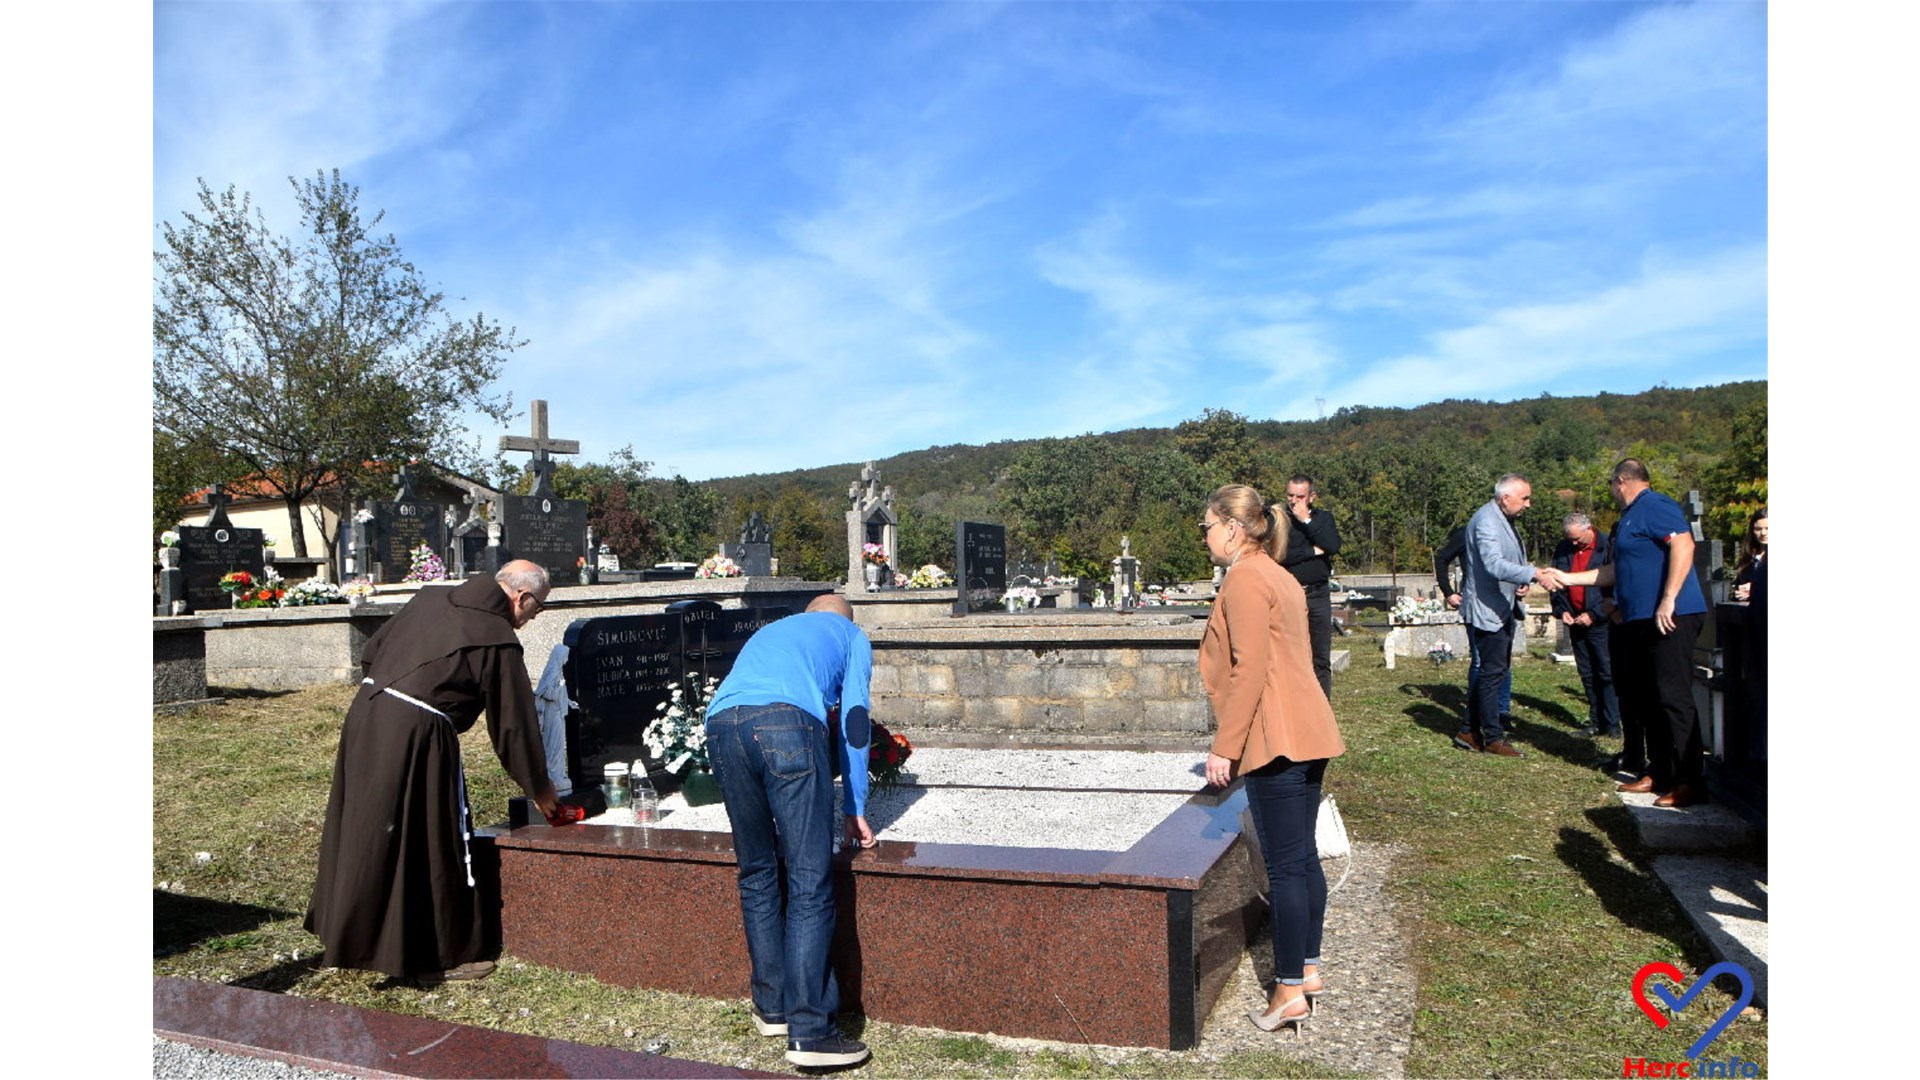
x=1296 y=1011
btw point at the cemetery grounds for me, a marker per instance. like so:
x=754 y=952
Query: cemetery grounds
x=1518 y=888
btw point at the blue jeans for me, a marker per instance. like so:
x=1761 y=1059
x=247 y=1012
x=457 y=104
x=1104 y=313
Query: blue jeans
x=1492 y=684
x=776 y=778
x=1284 y=796
x=1473 y=679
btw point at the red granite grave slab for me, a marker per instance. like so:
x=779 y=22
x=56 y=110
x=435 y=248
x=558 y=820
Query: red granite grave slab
x=365 y=1042
x=1125 y=949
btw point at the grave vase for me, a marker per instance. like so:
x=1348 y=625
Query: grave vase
x=873 y=576
x=170 y=558
x=700 y=788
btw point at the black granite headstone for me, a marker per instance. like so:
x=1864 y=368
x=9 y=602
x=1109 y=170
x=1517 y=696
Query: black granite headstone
x=980 y=566
x=399 y=527
x=545 y=529
x=619 y=669
x=210 y=552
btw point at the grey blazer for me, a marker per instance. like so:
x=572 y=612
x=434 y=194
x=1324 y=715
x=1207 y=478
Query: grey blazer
x=1496 y=567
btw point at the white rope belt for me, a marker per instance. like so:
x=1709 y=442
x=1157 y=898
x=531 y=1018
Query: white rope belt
x=466 y=817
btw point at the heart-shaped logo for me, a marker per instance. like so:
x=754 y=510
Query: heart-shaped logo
x=1677 y=1003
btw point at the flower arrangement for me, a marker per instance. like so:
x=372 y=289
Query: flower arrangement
x=426 y=566
x=1441 y=653
x=887 y=754
x=1022 y=596
x=313 y=592
x=873 y=553
x=719 y=566
x=363 y=515
x=358 y=587
x=930 y=576
x=677 y=738
x=169 y=538
x=1410 y=611
x=250 y=593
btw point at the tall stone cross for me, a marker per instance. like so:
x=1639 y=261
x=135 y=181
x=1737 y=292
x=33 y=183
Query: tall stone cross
x=541 y=446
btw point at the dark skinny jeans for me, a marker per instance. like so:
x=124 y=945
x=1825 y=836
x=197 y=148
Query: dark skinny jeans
x=1284 y=797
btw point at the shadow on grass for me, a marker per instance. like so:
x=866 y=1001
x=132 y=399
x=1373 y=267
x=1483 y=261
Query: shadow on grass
x=281 y=977
x=248 y=693
x=1629 y=894
x=182 y=922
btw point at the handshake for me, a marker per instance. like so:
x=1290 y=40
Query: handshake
x=1554 y=579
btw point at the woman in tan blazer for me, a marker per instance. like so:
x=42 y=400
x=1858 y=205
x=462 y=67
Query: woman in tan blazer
x=1274 y=727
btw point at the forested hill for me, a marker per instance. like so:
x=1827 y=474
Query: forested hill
x=1396 y=479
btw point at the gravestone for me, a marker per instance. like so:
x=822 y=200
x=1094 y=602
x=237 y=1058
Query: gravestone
x=1126 y=578
x=871 y=521
x=980 y=566
x=619 y=669
x=400 y=525
x=540 y=526
x=607 y=559
x=210 y=552
x=754 y=552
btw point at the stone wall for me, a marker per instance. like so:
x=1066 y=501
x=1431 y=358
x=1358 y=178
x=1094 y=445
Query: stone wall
x=180 y=659
x=1085 y=674
x=288 y=648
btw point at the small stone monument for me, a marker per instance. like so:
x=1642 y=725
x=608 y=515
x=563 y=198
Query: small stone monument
x=871 y=521
x=754 y=552
x=1126 y=578
x=469 y=542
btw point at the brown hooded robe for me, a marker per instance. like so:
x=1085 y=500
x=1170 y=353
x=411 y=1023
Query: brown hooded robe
x=394 y=892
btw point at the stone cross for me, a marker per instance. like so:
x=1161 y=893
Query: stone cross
x=217 y=498
x=541 y=446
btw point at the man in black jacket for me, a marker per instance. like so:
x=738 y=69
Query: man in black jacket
x=1584 y=612
x=1312 y=543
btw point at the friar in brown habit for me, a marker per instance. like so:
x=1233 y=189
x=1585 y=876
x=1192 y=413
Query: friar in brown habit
x=396 y=891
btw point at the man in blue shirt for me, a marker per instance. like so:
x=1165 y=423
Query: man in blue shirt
x=1662 y=609
x=774 y=761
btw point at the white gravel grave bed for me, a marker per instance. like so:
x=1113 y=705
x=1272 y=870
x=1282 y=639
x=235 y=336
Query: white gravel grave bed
x=1006 y=810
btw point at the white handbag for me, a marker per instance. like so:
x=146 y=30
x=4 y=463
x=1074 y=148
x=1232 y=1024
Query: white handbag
x=1330 y=831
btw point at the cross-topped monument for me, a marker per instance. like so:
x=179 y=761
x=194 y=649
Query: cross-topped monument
x=217 y=498
x=541 y=446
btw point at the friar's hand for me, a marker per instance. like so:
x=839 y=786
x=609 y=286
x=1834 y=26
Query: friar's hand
x=547 y=800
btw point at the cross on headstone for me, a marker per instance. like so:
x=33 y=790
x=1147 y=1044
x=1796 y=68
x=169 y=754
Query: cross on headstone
x=217 y=498
x=541 y=446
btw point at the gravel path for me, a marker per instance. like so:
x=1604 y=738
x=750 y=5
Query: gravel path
x=180 y=1061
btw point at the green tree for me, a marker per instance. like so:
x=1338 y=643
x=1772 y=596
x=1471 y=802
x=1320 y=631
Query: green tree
x=620 y=501
x=314 y=359
x=1736 y=486
x=180 y=468
x=1219 y=442
x=689 y=519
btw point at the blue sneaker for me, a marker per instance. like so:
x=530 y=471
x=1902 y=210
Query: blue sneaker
x=768 y=1026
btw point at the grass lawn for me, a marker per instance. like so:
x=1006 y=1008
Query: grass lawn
x=1525 y=896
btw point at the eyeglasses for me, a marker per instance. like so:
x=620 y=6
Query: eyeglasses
x=1205 y=525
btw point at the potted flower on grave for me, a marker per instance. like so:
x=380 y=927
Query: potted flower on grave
x=426 y=566
x=874 y=560
x=718 y=566
x=677 y=738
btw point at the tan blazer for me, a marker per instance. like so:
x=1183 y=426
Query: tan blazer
x=1257 y=663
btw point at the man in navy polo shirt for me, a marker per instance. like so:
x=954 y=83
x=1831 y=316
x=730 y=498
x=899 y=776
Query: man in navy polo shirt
x=774 y=761
x=1662 y=609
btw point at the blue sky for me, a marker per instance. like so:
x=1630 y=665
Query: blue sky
x=752 y=237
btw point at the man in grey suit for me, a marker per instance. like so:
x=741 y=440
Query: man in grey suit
x=1497 y=576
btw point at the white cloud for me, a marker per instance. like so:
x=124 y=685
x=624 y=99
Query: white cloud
x=1674 y=314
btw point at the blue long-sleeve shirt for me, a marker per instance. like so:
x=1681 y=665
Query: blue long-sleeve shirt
x=812 y=661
